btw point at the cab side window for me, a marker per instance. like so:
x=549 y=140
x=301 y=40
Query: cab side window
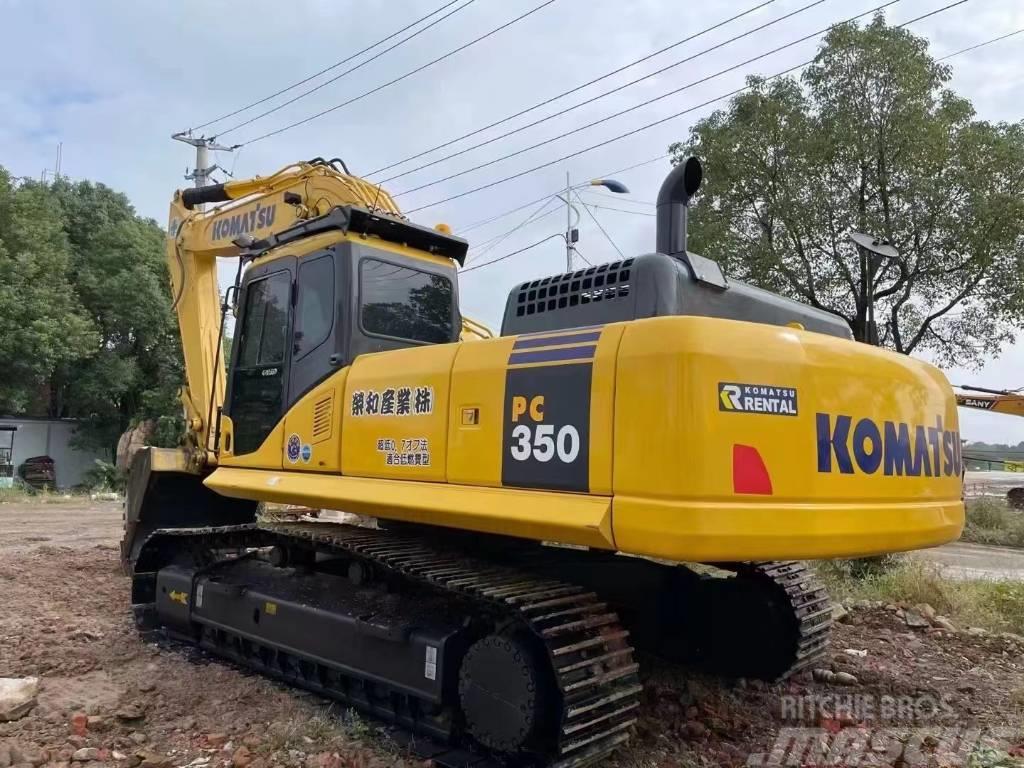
x=403 y=303
x=266 y=321
x=316 y=304
x=257 y=383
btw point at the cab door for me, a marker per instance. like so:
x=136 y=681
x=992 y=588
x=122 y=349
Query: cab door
x=258 y=389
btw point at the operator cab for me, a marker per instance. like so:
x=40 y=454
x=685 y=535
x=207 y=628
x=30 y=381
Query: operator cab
x=321 y=293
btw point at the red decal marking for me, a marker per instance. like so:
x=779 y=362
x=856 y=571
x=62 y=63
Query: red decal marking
x=749 y=474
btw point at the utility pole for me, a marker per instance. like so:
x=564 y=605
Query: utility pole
x=203 y=169
x=572 y=232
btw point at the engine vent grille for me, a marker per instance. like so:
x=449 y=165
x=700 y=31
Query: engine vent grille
x=322 y=411
x=606 y=282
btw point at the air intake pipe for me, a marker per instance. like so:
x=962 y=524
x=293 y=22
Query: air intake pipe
x=673 y=203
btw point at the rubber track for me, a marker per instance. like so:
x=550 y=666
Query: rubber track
x=809 y=601
x=587 y=647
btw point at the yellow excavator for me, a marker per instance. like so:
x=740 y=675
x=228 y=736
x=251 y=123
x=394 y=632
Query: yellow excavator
x=536 y=495
x=1003 y=401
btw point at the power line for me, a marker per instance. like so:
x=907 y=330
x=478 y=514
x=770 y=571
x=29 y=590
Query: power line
x=579 y=253
x=503 y=214
x=635 y=107
x=348 y=71
x=661 y=121
x=609 y=92
x=621 y=210
x=411 y=72
x=981 y=45
x=328 y=69
x=510 y=255
x=603 y=230
x=540 y=104
x=494 y=242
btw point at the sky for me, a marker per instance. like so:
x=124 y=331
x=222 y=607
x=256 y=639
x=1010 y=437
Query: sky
x=112 y=79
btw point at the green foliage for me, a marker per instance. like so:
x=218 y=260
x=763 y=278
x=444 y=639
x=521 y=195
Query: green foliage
x=104 y=476
x=997 y=606
x=87 y=328
x=870 y=139
x=991 y=521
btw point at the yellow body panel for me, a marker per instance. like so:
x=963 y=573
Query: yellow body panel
x=314 y=422
x=627 y=436
x=395 y=421
x=478 y=386
x=581 y=520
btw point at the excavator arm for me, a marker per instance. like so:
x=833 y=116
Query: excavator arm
x=1009 y=403
x=243 y=211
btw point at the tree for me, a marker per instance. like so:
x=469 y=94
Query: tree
x=870 y=139
x=43 y=326
x=87 y=329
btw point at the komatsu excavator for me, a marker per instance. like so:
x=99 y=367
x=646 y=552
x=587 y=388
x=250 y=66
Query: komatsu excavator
x=536 y=494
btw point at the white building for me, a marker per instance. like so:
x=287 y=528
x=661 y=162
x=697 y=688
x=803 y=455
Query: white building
x=48 y=437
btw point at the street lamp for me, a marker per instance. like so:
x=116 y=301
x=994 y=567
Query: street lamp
x=572 y=233
x=868 y=246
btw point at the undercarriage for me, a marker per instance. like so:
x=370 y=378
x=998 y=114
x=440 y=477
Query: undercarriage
x=486 y=646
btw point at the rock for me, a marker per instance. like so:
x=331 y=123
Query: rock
x=153 y=760
x=217 y=740
x=119 y=756
x=861 y=653
x=839 y=612
x=844 y=678
x=5 y=755
x=694 y=729
x=138 y=738
x=241 y=758
x=131 y=712
x=943 y=623
x=915 y=620
x=85 y=755
x=977 y=631
x=892 y=607
x=926 y=610
x=96 y=723
x=823 y=675
x=17 y=697
x=147 y=686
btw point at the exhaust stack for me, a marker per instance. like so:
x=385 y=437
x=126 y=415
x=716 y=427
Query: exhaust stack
x=673 y=203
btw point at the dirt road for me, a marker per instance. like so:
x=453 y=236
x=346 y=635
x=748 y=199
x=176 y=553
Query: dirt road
x=76 y=522
x=963 y=560
x=109 y=699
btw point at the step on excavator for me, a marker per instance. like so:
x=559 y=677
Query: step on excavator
x=638 y=462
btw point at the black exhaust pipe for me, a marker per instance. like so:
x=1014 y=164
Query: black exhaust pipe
x=673 y=201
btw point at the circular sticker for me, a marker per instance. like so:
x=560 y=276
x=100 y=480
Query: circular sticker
x=307 y=452
x=294 y=446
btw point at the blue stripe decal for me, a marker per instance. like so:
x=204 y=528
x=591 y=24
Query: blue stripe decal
x=553 y=355
x=550 y=341
x=536 y=334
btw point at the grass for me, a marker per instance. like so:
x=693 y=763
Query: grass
x=990 y=520
x=45 y=496
x=997 y=606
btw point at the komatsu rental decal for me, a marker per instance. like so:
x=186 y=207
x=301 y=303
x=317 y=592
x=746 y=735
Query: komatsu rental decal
x=756 y=398
x=232 y=226
x=893 y=447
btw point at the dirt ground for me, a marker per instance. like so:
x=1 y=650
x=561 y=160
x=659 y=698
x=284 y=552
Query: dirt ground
x=107 y=698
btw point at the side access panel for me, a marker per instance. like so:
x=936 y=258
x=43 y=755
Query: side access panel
x=312 y=428
x=394 y=417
